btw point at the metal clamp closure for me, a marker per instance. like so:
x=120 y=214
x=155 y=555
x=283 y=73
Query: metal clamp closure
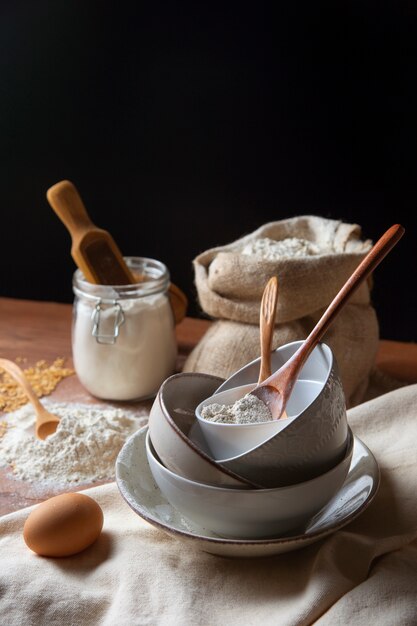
x=119 y=319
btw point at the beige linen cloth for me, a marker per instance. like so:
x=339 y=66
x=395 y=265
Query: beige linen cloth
x=364 y=574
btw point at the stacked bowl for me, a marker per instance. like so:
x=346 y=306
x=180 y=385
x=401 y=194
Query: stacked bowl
x=251 y=480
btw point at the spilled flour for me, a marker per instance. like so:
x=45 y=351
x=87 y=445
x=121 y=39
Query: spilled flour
x=83 y=449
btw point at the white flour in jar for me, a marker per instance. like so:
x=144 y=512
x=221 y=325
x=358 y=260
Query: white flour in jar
x=83 y=449
x=272 y=250
x=246 y=410
x=141 y=357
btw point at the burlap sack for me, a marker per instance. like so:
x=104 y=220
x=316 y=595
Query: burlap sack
x=230 y=287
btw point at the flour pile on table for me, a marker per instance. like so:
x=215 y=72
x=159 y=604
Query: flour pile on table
x=83 y=449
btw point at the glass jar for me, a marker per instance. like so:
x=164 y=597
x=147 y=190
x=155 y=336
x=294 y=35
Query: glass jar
x=123 y=337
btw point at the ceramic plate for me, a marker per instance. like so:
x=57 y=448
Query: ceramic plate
x=138 y=488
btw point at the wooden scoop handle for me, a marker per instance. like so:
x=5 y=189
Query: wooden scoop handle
x=67 y=204
x=93 y=249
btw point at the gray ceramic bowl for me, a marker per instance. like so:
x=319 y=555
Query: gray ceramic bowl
x=171 y=417
x=312 y=443
x=253 y=513
x=142 y=494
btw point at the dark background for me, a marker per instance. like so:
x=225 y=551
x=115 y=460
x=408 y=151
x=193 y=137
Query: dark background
x=185 y=126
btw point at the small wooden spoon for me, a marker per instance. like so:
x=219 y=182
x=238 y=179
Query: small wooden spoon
x=46 y=422
x=276 y=390
x=266 y=326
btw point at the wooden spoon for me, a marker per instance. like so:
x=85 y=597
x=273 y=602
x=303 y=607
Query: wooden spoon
x=266 y=326
x=276 y=390
x=94 y=250
x=46 y=422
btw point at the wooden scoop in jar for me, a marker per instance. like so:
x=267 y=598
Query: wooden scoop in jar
x=94 y=250
x=276 y=390
x=46 y=422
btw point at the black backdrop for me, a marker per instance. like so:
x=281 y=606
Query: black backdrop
x=187 y=125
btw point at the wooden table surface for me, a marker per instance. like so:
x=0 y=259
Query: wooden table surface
x=42 y=330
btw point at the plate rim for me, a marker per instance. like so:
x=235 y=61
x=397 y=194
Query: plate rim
x=293 y=539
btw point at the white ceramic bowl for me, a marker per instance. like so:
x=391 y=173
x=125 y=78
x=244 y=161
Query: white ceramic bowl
x=253 y=513
x=225 y=441
x=139 y=490
x=171 y=417
x=310 y=442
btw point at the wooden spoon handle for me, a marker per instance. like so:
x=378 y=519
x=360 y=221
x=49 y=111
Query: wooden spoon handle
x=374 y=257
x=14 y=370
x=266 y=323
x=67 y=204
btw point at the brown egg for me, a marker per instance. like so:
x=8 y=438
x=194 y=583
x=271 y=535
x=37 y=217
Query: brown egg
x=63 y=525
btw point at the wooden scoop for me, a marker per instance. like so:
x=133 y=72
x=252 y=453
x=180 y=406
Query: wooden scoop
x=94 y=250
x=46 y=422
x=276 y=390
